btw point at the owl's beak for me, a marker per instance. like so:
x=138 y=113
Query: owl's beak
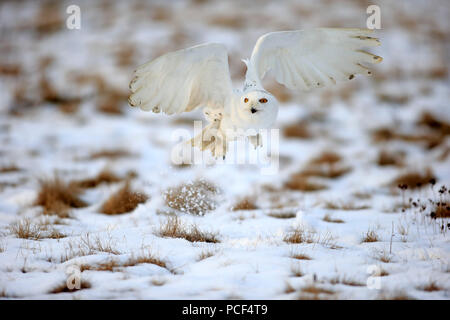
x=253 y=110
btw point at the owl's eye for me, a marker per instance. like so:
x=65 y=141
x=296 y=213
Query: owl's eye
x=263 y=100
x=246 y=100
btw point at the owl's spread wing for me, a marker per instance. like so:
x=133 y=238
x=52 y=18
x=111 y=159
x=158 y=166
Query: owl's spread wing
x=183 y=80
x=306 y=59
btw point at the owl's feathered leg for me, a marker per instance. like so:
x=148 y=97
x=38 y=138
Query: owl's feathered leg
x=256 y=141
x=210 y=138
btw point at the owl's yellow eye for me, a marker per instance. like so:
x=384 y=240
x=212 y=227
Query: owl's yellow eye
x=246 y=100
x=263 y=100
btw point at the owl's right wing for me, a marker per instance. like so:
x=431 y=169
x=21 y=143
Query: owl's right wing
x=183 y=80
x=305 y=59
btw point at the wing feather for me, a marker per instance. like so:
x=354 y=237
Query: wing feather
x=314 y=58
x=183 y=80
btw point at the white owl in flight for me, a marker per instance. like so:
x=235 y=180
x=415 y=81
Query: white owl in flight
x=199 y=77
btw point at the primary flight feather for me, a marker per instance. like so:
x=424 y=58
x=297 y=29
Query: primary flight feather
x=199 y=77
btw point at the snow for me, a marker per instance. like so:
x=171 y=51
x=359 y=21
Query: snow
x=252 y=259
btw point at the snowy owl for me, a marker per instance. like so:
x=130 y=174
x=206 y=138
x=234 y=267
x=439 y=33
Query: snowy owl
x=199 y=77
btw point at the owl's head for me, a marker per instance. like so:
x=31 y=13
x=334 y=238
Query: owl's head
x=258 y=107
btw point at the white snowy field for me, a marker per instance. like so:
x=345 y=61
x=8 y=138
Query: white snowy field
x=88 y=191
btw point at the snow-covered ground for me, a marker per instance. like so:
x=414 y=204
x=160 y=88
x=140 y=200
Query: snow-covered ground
x=358 y=236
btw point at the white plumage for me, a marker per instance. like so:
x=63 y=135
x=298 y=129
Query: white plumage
x=199 y=76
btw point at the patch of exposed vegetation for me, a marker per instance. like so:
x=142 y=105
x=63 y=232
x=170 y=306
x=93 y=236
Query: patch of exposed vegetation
x=196 y=197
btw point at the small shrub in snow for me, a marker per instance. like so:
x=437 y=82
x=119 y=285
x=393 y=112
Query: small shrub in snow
x=196 y=197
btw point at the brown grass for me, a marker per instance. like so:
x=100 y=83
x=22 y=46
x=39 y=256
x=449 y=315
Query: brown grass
x=228 y=21
x=63 y=287
x=393 y=98
x=347 y=206
x=300 y=256
x=110 y=154
x=346 y=281
x=297 y=130
x=296 y=271
x=386 y=158
x=247 y=203
x=313 y=292
x=196 y=197
x=205 y=254
x=9 y=168
x=328 y=218
x=370 y=236
x=432 y=122
x=282 y=215
x=57 y=197
x=326 y=157
x=414 y=179
x=104 y=176
x=441 y=210
x=123 y=201
x=27 y=229
x=299 y=235
x=300 y=182
x=396 y=295
x=114 y=265
x=325 y=165
x=174 y=228
x=429 y=140
x=430 y=287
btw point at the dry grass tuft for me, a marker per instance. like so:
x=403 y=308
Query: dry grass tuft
x=104 y=176
x=386 y=158
x=63 y=287
x=247 y=203
x=205 y=254
x=370 y=236
x=328 y=218
x=313 y=292
x=429 y=120
x=414 y=179
x=441 y=210
x=396 y=295
x=296 y=271
x=57 y=197
x=297 y=130
x=346 y=281
x=347 y=206
x=300 y=256
x=9 y=168
x=289 y=288
x=300 y=182
x=25 y=229
x=114 y=265
x=282 y=214
x=327 y=157
x=174 y=228
x=110 y=154
x=123 y=201
x=429 y=139
x=430 y=287
x=326 y=165
x=196 y=197
x=299 y=235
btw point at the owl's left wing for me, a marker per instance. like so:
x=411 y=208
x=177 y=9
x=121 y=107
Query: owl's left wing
x=183 y=80
x=305 y=59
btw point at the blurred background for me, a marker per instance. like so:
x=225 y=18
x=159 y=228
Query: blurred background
x=61 y=87
x=343 y=151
